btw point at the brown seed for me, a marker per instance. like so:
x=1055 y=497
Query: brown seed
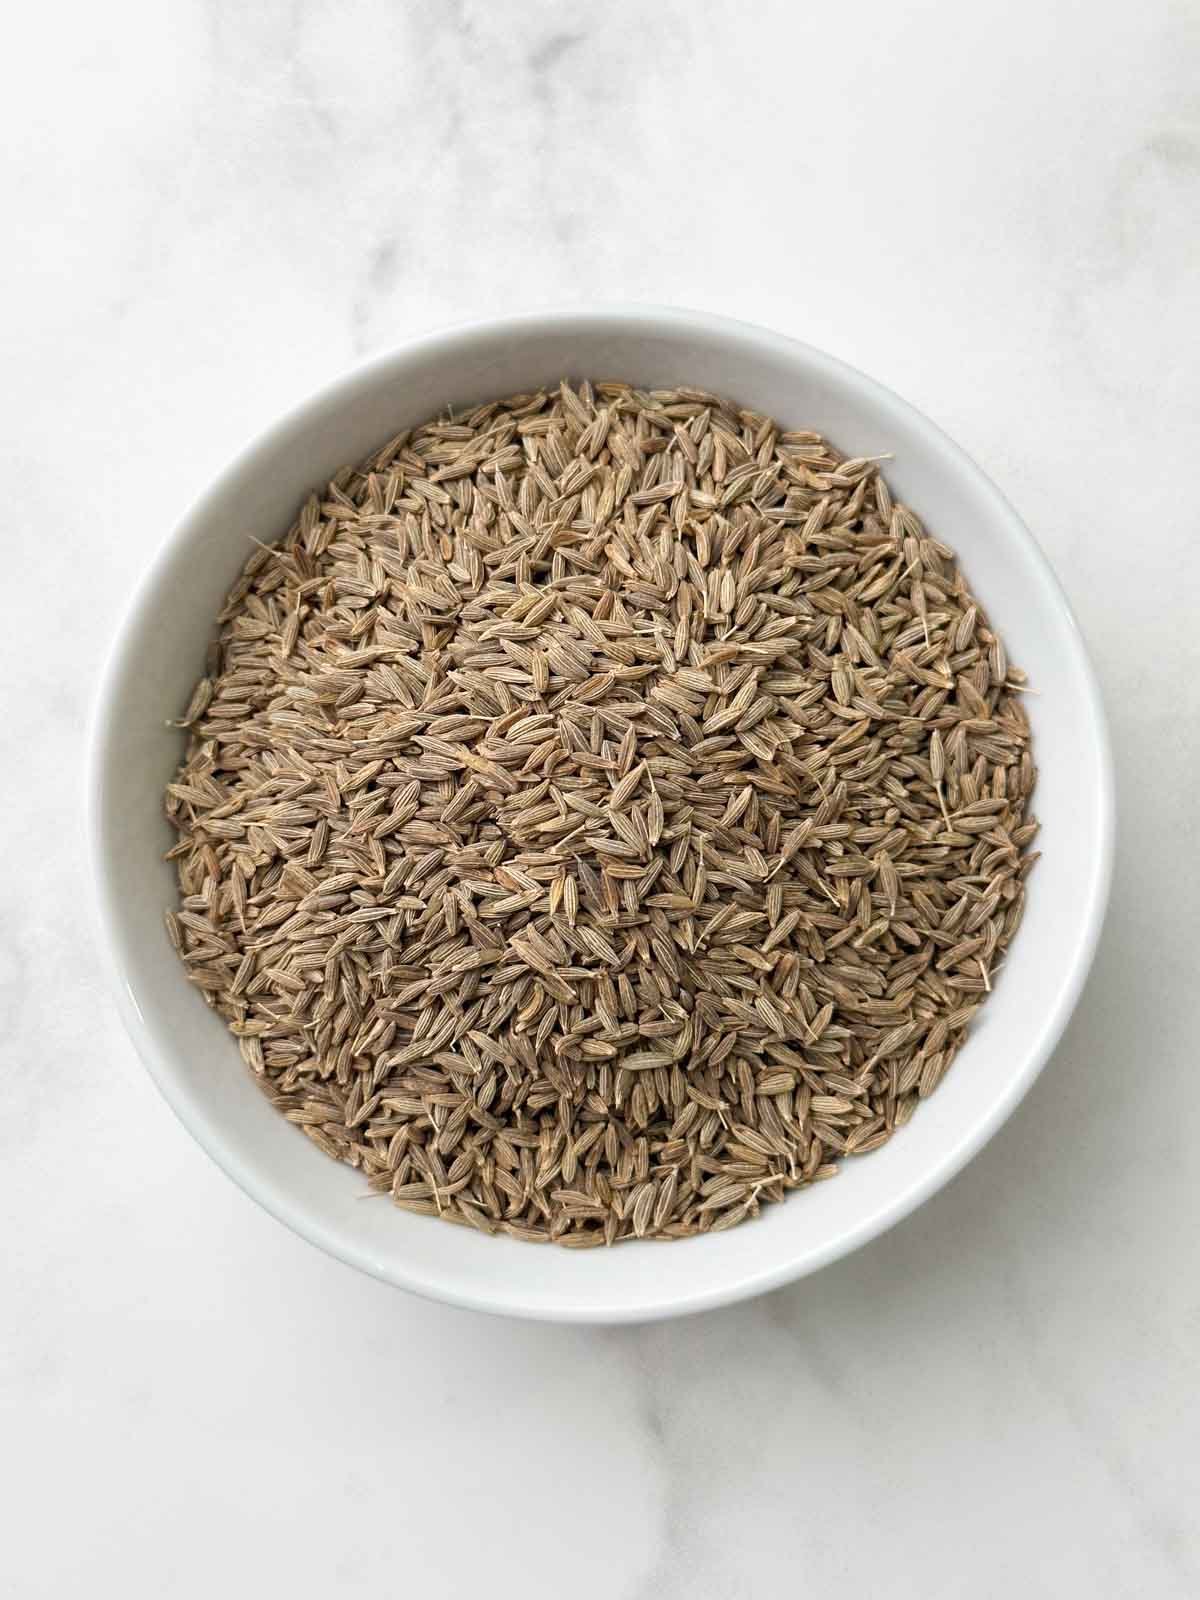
x=604 y=810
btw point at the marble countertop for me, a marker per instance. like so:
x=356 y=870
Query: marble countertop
x=212 y=209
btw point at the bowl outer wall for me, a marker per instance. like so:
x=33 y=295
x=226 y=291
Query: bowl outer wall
x=158 y=654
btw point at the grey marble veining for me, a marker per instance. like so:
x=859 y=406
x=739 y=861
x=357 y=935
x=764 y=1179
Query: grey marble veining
x=211 y=210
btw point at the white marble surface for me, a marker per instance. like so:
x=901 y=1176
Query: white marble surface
x=209 y=210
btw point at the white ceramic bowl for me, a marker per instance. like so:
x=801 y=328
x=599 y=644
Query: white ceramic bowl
x=160 y=651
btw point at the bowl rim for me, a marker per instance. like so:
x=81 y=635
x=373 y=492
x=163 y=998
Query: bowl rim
x=307 y=1221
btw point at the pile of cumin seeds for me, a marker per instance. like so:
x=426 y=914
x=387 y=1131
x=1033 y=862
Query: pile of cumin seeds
x=603 y=811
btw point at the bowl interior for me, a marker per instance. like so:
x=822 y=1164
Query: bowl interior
x=160 y=654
